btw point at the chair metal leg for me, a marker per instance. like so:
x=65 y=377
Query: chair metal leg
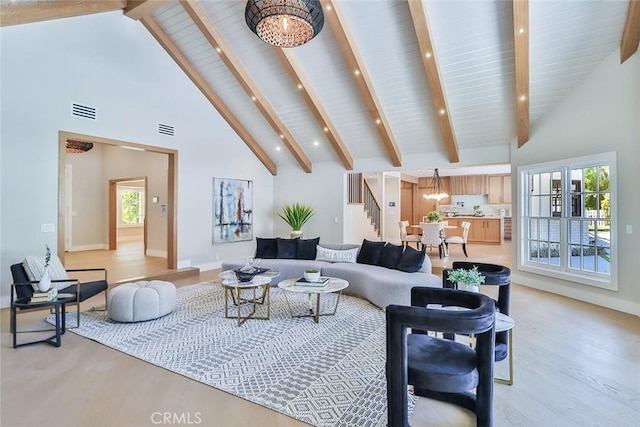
x=464 y=249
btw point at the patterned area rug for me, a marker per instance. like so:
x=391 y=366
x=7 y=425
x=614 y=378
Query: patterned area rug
x=326 y=374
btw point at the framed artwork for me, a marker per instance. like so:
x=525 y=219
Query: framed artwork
x=232 y=210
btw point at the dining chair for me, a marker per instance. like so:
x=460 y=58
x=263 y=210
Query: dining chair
x=432 y=235
x=460 y=240
x=407 y=238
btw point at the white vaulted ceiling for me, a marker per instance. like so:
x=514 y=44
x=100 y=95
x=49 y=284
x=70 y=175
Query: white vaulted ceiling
x=473 y=43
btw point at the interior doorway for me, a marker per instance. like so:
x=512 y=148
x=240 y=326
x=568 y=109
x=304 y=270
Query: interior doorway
x=169 y=207
x=128 y=213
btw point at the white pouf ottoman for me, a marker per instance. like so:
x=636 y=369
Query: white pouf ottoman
x=140 y=301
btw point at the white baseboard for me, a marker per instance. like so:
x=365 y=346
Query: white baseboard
x=210 y=266
x=155 y=252
x=95 y=247
x=579 y=294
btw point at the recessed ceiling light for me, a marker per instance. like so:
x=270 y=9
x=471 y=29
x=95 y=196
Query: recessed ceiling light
x=523 y=97
x=378 y=121
x=218 y=50
x=326 y=129
x=253 y=98
x=428 y=55
x=299 y=86
x=277 y=148
x=521 y=30
x=281 y=136
x=316 y=143
x=356 y=72
x=442 y=111
x=328 y=7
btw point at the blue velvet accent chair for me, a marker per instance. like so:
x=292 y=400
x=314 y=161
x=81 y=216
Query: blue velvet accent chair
x=495 y=275
x=439 y=368
x=83 y=291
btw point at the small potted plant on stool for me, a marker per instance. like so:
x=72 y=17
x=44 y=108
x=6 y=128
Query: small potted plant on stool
x=467 y=279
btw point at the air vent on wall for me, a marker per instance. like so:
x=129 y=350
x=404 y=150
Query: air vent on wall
x=83 y=111
x=165 y=129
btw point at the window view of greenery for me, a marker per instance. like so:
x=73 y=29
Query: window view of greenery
x=575 y=199
x=131 y=207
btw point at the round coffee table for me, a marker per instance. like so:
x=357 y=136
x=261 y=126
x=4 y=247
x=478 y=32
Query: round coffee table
x=335 y=285
x=235 y=287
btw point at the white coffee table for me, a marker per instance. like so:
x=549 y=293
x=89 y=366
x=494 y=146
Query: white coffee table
x=335 y=285
x=234 y=286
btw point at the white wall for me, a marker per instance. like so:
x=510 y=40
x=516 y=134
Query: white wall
x=110 y=62
x=391 y=214
x=602 y=114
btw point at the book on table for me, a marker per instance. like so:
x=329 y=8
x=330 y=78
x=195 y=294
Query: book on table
x=321 y=283
x=47 y=296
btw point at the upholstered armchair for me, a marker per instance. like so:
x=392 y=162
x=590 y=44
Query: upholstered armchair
x=439 y=368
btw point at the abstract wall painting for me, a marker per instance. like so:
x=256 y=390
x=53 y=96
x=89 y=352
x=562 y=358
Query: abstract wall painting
x=232 y=210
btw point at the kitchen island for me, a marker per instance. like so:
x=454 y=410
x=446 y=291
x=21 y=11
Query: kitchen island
x=484 y=229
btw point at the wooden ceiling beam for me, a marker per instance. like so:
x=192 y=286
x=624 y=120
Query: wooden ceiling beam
x=204 y=87
x=136 y=9
x=315 y=106
x=521 y=42
x=16 y=13
x=631 y=33
x=204 y=24
x=430 y=63
x=338 y=23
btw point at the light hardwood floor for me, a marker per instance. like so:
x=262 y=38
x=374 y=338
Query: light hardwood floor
x=575 y=364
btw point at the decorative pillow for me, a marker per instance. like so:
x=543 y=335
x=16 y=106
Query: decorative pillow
x=335 y=255
x=34 y=267
x=307 y=248
x=411 y=260
x=266 y=248
x=287 y=248
x=389 y=256
x=370 y=252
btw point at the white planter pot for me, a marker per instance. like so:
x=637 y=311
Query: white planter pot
x=296 y=234
x=462 y=286
x=45 y=282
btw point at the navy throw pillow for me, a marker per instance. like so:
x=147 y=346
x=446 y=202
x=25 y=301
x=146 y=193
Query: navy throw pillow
x=307 y=248
x=287 y=248
x=369 y=252
x=411 y=260
x=266 y=248
x=390 y=256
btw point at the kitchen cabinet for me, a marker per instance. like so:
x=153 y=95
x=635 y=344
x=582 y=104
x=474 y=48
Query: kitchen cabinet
x=468 y=184
x=487 y=230
x=499 y=189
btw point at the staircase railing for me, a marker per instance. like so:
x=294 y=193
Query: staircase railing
x=359 y=192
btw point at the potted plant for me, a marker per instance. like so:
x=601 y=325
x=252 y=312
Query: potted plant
x=296 y=215
x=312 y=275
x=467 y=279
x=434 y=216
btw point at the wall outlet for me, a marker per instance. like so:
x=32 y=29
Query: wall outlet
x=629 y=229
x=47 y=228
x=217 y=256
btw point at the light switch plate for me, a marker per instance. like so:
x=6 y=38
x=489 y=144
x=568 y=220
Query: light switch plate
x=47 y=228
x=629 y=229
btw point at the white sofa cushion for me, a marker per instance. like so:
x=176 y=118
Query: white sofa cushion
x=34 y=267
x=335 y=255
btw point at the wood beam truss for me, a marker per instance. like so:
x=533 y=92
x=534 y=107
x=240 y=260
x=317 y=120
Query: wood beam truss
x=338 y=23
x=24 y=13
x=631 y=33
x=432 y=71
x=521 y=39
x=204 y=87
x=136 y=9
x=315 y=106
x=213 y=36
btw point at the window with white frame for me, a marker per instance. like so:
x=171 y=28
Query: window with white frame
x=568 y=227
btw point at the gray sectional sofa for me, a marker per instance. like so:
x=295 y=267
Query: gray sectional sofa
x=379 y=285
